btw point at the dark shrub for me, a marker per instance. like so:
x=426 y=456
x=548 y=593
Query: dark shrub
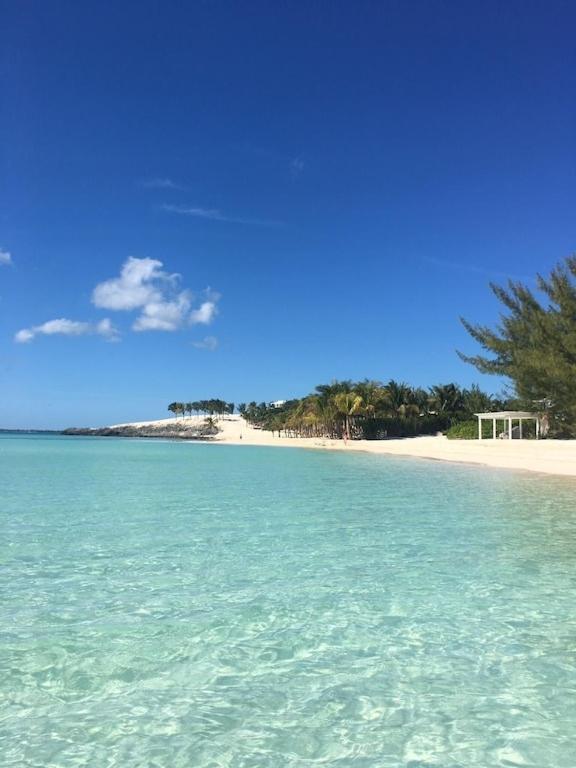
x=396 y=426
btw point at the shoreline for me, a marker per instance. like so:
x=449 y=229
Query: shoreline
x=550 y=457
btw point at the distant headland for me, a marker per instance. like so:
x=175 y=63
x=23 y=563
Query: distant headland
x=165 y=428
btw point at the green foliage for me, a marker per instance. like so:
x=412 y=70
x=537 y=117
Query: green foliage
x=368 y=409
x=476 y=401
x=177 y=409
x=535 y=345
x=447 y=399
x=210 y=407
x=468 y=430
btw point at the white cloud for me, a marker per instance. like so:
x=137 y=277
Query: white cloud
x=24 y=335
x=143 y=285
x=5 y=257
x=164 y=315
x=208 y=342
x=65 y=327
x=139 y=283
x=205 y=313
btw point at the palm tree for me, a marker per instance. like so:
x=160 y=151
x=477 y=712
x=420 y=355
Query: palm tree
x=447 y=399
x=373 y=396
x=328 y=391
x=211 y=422
x=347 y=404
x=420 y=398
x=174 y=408
x=327 y=415
x=397 y=395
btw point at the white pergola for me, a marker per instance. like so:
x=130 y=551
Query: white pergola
x=508 y=417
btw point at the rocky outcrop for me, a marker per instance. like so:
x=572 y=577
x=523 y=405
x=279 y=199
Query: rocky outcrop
x=177 y=430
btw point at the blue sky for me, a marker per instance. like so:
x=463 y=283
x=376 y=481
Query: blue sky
x=334 y=183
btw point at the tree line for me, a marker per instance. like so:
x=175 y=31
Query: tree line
x=371 y=409
x=213 y=407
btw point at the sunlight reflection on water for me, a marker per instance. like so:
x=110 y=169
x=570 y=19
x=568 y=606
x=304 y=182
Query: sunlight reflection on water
x=188 y=605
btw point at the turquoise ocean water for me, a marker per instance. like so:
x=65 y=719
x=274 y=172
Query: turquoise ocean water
x=174 y=605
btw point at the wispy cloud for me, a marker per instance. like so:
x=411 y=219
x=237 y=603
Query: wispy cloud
x=209 y=343
x=161 y=183
x=5 y=257
x=213 y=214
x=64 y=327
x=461 y=267
x=201 y=213
x=281 y=161
x=296 y=167
x=143 y=285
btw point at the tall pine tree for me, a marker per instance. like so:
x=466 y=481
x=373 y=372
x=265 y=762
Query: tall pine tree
x=534 y=344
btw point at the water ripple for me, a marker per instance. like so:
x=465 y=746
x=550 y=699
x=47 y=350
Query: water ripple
x=168 y=605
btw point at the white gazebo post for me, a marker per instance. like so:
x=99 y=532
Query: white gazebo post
x=520 y=428
x=509 y=428
x=479 y=428
x=493 y=429
x=537 y=429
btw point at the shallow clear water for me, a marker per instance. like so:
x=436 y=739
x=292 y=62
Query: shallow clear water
x=171 y=605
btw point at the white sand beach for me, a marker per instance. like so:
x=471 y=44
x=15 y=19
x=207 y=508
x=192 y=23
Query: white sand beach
x=555 y=457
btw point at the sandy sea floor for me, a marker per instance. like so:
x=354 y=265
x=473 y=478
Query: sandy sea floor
x=201 y=606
